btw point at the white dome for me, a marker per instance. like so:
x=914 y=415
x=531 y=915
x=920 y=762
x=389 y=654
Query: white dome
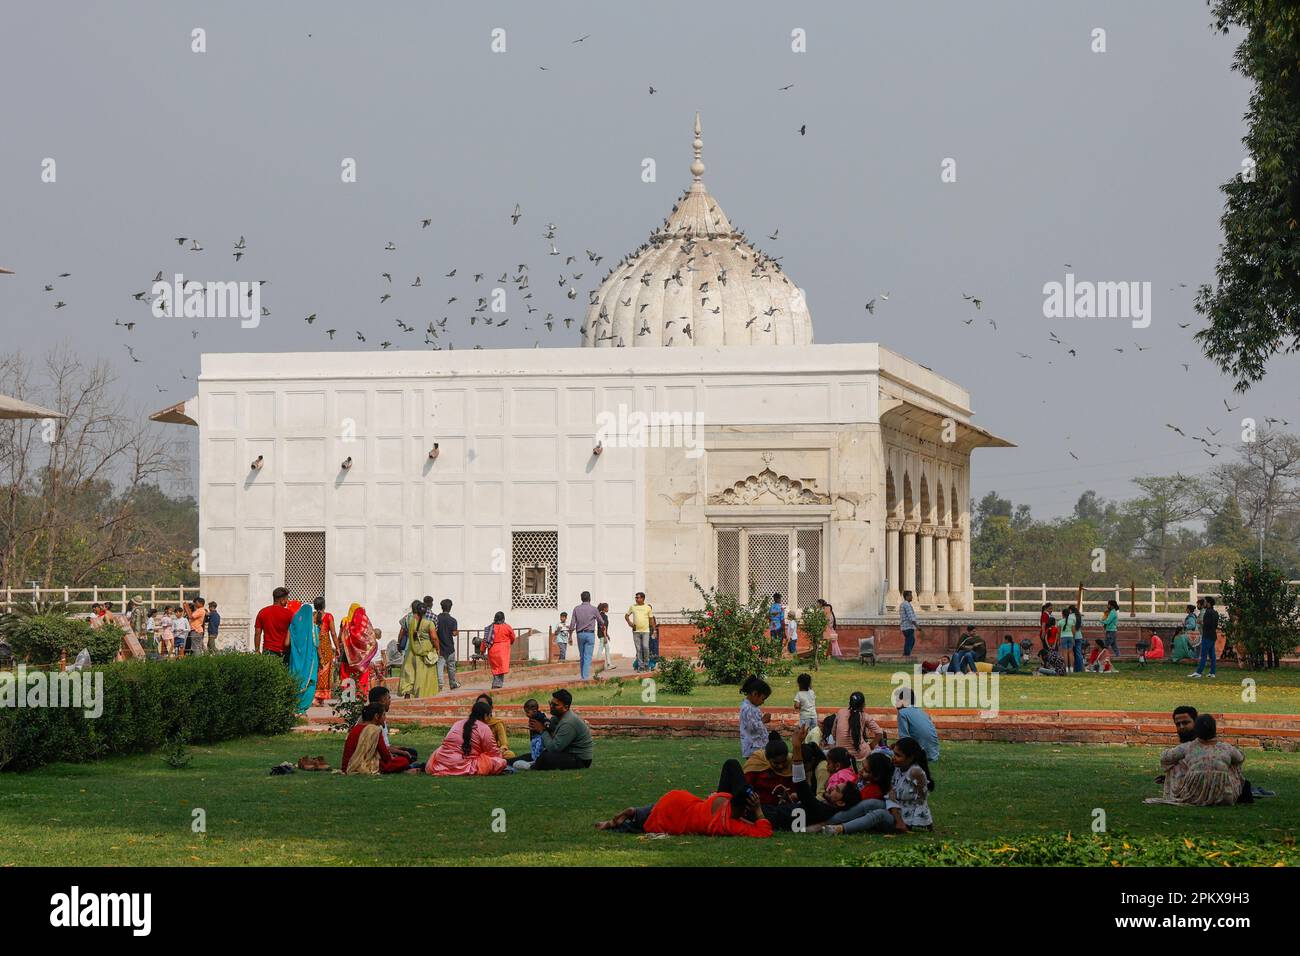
x=697 y=281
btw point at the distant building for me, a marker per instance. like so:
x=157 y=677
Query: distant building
x=718 y=443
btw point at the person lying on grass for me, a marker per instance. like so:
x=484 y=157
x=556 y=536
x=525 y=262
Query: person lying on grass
x=806 y=810
x=731 y=810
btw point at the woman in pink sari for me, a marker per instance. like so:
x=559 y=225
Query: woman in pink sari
x=469 y=749
x=359 y=649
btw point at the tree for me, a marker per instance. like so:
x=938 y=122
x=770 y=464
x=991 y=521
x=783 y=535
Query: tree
x=78 y=496
x=1263 y=618
x=1167 y=502
x=1254 y=307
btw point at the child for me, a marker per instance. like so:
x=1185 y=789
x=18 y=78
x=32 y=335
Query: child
x=791 y=631
x=840 y=765
x=180 y=630
x=1099 y=659
x=562 y=634
x=753 y=722
x=532 y=711
x=150 y=638
x=909 y=793
x=805 y=703
x=163 y=628
x=879 y=776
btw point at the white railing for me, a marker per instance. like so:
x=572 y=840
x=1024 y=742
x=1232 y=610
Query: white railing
x=83 y=598
x=1147 y=599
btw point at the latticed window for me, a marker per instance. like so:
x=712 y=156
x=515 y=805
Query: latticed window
x=729 y=561
x=304 y=565
x=765 y=560
x=535 y=569
x=808 y=567
x=769 y=563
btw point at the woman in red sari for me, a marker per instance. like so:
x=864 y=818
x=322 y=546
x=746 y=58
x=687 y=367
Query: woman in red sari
x=732 y=810
x=359 y=649
x=503 y=637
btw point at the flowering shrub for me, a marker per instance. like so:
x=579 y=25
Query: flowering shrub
x=733 y=637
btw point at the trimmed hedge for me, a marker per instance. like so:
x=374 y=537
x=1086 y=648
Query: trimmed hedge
x=145 y=703
x=41 y=638
x=1065 y=849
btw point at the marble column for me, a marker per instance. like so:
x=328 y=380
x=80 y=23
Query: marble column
x=956 y=572
x=909 y=556
x=941 y=596
x=893 y=595
x=926 y=597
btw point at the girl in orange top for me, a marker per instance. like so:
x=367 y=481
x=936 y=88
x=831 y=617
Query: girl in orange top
x=730 y=811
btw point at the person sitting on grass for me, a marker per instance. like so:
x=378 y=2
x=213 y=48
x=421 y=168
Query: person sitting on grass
x=381 y=695
x=566 y=739
x=469 y=749
x=1099 y=661
x=869 y=814
x=533 y=713
x=1184 y=717
x=856 y=730
x=768 y=771
x=753 y=722
x=906 y=806
x=837 y=759
x=365 y=753
x=1187 y=643
x=731 y=810
x=498 y=728
x=1202 y=772
x=972 y=642
x=1009 y=658
x=916 y=723
x=1051 y=664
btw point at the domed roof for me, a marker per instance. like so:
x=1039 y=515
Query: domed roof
x=697 y=281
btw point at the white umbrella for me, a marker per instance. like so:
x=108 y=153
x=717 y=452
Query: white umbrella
x=17 y=408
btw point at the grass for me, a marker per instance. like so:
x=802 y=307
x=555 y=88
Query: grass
x=138 y=811
x=1157 y=687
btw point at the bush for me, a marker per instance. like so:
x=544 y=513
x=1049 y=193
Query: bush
x=1065 y=849
x=733 y=638
x=146 y=703
x=1263 y=613
x=676 y=675
x=43 y=638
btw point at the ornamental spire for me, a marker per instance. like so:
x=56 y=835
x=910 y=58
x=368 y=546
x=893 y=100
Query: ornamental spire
x=697 y=167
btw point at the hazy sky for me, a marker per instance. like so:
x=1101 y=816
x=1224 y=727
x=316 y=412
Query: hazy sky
x=1108 y=161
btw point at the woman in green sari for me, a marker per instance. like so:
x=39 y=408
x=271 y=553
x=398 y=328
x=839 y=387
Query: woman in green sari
x=420 y=665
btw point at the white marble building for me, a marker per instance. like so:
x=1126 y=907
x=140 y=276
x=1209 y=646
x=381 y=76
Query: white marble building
x=838 y=470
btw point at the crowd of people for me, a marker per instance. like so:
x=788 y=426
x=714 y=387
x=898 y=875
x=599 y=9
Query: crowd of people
x=184 y=629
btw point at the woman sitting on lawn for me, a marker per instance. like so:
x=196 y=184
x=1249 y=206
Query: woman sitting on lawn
x=365 y=753
x=1187 y=643
x=498 y=728
x=1099 y=661
x=907 y=804
x=732 y=810
x=856 y=730
x=469 y=749
x=1204 y=771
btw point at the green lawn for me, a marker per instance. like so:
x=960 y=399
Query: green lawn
x=1155 y=688
x=137 y=810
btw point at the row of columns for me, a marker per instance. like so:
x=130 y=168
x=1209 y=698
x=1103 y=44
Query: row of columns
x=942 y=585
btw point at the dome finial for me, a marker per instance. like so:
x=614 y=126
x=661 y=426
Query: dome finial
x=697 y=167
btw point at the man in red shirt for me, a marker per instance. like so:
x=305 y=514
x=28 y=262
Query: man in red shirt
x=272 y=623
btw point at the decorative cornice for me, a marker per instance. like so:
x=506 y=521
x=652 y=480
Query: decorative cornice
x=911 y=527
x=767 y=482
x=893 y=524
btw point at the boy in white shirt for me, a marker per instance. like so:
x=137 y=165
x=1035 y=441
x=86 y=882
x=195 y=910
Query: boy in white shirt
x=562 y=634
x=791 y=630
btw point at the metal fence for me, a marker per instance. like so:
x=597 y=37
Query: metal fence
x=1147 y=599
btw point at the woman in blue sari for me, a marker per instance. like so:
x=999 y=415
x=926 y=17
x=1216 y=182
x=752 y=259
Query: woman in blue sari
x=304 y=658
